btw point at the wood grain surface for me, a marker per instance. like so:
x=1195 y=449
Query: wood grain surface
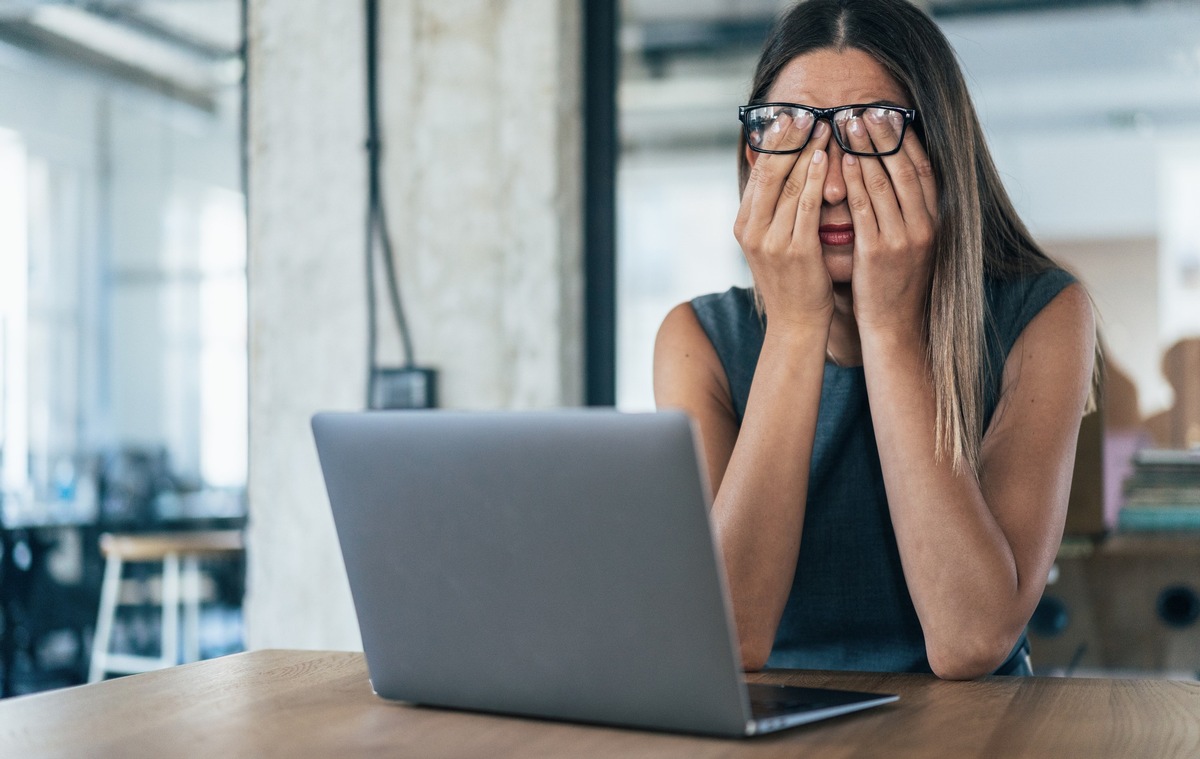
x=300 y=704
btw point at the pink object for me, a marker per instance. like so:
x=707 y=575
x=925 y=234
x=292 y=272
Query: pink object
x=1119 y=447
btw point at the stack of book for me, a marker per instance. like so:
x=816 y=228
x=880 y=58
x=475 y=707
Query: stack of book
x=1163 y=493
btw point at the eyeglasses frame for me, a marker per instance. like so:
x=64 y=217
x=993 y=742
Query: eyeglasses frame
x=826 y=114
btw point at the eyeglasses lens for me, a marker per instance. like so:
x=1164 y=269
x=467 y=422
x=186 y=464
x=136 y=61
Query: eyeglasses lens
x=778 y=128
x=870 y=131
x=863 y=130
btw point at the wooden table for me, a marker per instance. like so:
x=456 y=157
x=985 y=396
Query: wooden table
x=319 y=704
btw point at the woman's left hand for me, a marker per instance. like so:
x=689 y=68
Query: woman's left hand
x=893 y=205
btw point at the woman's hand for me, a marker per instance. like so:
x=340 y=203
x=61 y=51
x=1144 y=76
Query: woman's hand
x=777 y=228
x=893 y=205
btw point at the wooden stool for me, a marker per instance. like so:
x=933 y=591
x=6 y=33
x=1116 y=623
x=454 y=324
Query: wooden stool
x=171 y=549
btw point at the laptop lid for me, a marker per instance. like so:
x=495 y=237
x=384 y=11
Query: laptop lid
x=552 y=564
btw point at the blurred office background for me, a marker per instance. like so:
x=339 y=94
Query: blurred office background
x=148 y=354
x=122 y=309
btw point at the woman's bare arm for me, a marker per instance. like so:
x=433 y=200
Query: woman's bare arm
x=758 y=473
x=976 y=554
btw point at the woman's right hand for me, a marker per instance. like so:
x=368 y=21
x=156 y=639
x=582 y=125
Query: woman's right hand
x=777 y=227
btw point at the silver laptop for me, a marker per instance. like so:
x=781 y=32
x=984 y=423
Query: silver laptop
x=553 y=564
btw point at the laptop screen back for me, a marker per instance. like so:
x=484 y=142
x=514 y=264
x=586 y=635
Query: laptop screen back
x=555 y=564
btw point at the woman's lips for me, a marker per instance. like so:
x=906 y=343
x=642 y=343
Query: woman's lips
x=836 y=234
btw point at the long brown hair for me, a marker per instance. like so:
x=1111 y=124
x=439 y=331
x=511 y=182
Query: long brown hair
x=978 y=228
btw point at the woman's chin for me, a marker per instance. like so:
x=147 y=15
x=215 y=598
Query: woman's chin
x=840 y=265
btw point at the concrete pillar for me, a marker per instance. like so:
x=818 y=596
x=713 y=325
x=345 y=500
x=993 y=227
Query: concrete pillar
x=482 y=133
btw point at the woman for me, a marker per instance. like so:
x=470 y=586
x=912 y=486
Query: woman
x=889 y=417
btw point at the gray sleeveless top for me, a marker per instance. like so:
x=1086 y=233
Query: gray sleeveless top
x=849 y=607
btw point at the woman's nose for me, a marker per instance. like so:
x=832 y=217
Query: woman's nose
x=835 y=184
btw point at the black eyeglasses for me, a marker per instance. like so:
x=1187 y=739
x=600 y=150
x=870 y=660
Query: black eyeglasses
x=787 y=127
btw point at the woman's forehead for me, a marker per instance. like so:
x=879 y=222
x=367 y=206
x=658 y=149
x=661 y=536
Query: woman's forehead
x=828 y=77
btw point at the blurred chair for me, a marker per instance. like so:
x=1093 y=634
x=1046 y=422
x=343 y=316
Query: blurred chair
x=179 y=555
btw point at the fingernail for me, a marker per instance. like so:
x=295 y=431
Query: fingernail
x=851 y=159
x=855 y=126
x=822 y=130
x=818 y=156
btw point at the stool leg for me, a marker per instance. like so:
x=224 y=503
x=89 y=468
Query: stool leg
x=191 y=608
x=104 y=620
x=170 y=610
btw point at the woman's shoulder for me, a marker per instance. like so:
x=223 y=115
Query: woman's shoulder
x=731 y=321
x=1050 y=277
x=736 y=302
x=1014 y=300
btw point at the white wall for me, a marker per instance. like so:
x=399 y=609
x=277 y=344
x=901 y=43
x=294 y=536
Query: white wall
x=482 y=137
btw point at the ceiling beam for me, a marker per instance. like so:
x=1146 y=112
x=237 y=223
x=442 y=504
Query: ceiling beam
x=150 y=27
x=964 y=8
x=39 y=41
